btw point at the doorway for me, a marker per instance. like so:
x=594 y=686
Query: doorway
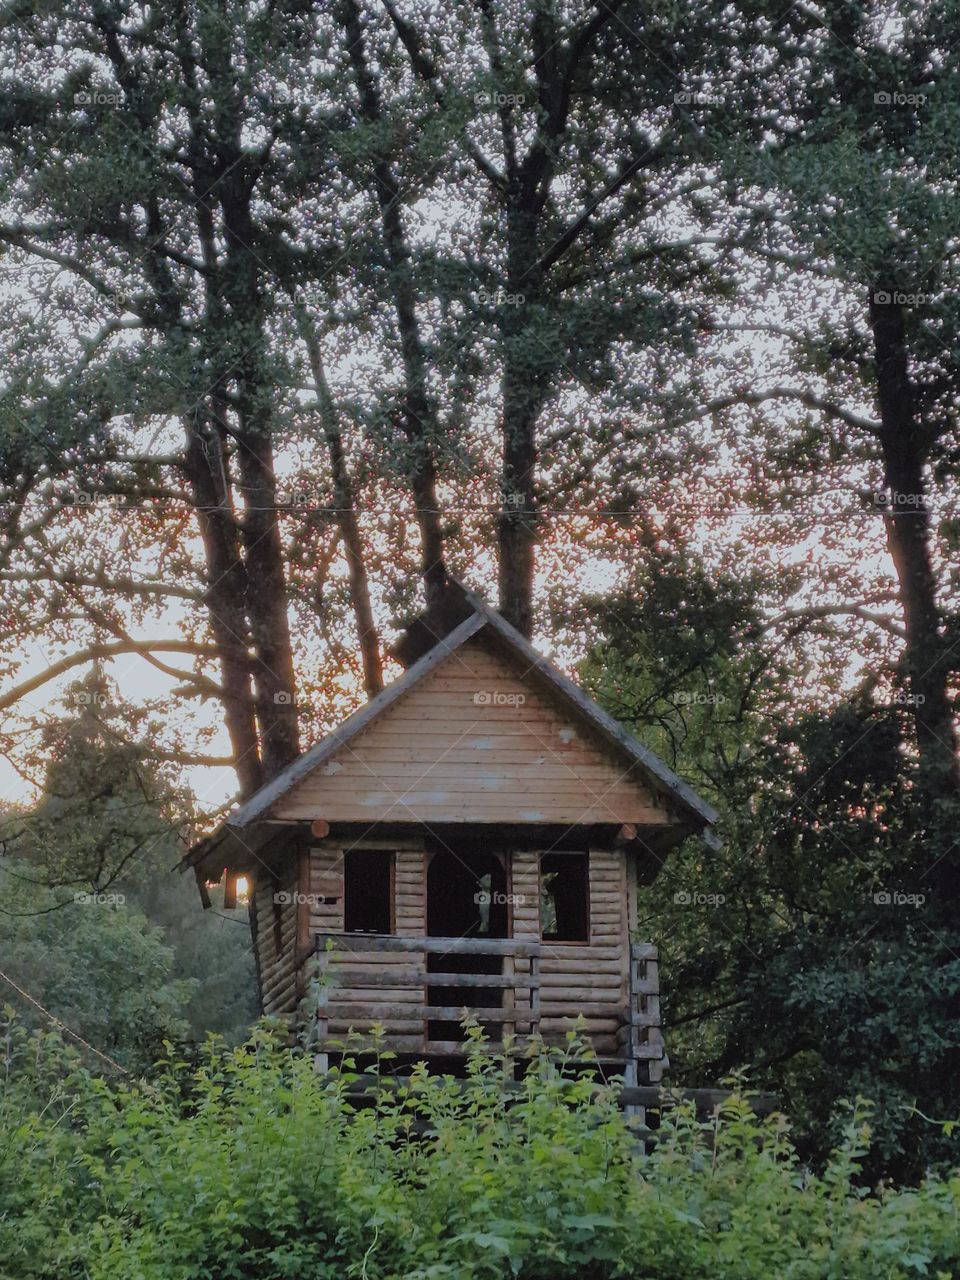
x=466 y=898
x=467 y=895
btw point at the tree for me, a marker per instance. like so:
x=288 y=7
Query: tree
x=812 y=948
x=849 y=199
x=182 y=196
x=91 y=866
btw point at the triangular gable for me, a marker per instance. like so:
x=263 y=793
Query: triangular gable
x=480 y=738
x=651 y=781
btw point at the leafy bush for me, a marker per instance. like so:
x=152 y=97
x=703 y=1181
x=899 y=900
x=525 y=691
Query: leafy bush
x=250 y=1165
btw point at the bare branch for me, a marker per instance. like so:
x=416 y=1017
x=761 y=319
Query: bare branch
x=806 y=398
x=112 y=649
x=122 y=586
x=814 y=612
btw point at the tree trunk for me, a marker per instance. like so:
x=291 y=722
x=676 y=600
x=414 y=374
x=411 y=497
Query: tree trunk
x=517 y=531
x=418 y=414
x=525 y=378
x=273 y=669
x=345 y=503
x=225 y=597
x=907 y=520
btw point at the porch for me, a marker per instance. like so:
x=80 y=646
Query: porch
x=418 y=990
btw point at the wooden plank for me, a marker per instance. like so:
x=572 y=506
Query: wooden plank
x=517 y=810
x=355 y=977
x=531 y=766
x=393 y=752
x=435 y=946
x=571 y=1006
x=569 y=793
x=378 y=997
x=344 y=1012
x=432 y=1013
x=494 y=980
x=413 y=978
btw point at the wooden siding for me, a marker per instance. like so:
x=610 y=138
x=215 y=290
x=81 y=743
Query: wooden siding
x=441 y=755
x=591 y=978
x=584 y=978
x=279 y=967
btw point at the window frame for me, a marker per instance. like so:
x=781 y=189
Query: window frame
x=551 y=939
x=390 y=853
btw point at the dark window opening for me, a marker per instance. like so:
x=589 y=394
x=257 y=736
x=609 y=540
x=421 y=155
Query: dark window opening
x=467 y=895
x=565 y=897
x=368 y=891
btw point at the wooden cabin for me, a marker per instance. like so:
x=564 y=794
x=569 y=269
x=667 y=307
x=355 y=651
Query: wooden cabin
x=472 y=838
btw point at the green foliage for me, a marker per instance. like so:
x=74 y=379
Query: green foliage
x=817 y=944
x=97 y=965
x=250 y=1165
x=95 y=923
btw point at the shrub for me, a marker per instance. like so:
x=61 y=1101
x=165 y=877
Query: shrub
x=248 y=1164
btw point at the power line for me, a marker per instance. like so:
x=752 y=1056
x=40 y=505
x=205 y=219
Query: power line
x=62 y=1025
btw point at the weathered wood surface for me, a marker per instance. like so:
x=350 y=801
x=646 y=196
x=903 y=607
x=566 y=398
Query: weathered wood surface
x=350 y=943
x=475 y=741
x=279 y=965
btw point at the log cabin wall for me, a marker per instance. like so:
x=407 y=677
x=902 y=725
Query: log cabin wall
x=362 y=978
x=588 y=978
x=326 y=866
x=277 y=911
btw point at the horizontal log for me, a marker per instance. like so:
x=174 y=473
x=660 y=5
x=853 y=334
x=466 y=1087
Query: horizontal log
x=343 y=1012
x=420 y=978
x=591 y=1027
x=397 y=977
x=557 y=1006
x=366 y=1013
x=354 y=942
x=518 y=982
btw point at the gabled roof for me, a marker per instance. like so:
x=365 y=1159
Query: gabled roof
x=661 y=779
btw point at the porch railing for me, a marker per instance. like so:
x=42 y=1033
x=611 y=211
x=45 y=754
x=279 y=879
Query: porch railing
x=418 y=989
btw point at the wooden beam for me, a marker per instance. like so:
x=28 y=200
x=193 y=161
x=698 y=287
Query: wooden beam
x=320 y=828
x=230 y=891
x=348 y=943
